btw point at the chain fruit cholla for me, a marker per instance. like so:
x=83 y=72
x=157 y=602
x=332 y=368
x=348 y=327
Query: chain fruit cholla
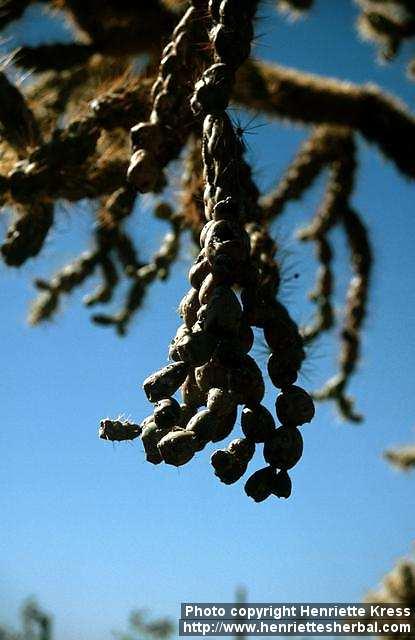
x=210 y=352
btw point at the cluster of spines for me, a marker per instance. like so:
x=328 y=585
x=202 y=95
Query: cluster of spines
x=402 y=457
x=389 y=25
x=396 y=588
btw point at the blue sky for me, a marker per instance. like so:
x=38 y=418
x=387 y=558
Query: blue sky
x=91 y=529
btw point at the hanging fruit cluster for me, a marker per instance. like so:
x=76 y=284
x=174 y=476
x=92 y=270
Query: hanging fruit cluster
x=210 y=357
